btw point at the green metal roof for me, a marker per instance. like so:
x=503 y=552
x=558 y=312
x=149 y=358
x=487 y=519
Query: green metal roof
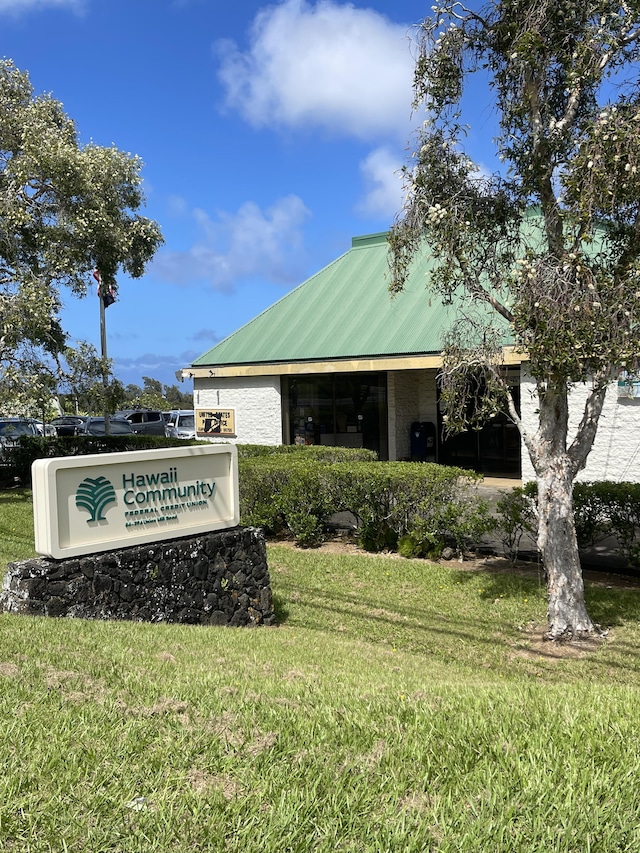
x=344 y=311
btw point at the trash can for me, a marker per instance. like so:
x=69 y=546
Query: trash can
x=429 y=440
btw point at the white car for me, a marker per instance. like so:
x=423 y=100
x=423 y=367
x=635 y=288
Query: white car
x=181 y=424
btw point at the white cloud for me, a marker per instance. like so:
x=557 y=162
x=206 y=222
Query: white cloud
x=16 y=7
x=234 y=247
x=336 y=67
x=383 y=184
x=209 y=335
x=176 y=206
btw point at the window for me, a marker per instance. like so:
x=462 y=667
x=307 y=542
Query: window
x=344 y=410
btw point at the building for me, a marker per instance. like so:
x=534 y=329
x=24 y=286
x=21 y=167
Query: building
x=338 y=361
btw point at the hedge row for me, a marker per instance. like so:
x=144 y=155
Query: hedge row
x=316 y=452
x=417 y=509
x=602 y=510
x=296 y=490
x=29 y=448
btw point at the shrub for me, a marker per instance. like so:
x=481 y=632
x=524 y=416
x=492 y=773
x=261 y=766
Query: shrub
x=623 y=507
x=517 y=513
x=262 y=480
x=285 y=493
x=601 y=510
x=591 y=512
x=444 y=510
x=314 y=452
x=430 y=503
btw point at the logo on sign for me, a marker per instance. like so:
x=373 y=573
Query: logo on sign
x=94 y=496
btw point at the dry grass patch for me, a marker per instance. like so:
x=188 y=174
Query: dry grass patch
x=537 y=646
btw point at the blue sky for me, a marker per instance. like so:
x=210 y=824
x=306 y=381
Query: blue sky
x=270 y=133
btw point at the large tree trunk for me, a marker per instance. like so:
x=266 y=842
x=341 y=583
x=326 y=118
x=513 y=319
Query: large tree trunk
x=567 y=612
x=556 y=468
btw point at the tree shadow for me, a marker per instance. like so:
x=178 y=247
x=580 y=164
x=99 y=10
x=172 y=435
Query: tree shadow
x=15 y=496
x=280 y=609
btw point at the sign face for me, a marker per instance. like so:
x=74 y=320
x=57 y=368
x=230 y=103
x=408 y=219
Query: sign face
x=85 y=504
x=215 y=422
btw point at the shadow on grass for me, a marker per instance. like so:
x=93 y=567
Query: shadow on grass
x=613 y=607
x=15 y=497
x=608 y=606
x=486 y=637
x=359 y=616
x=503 y=582
x=280 y=608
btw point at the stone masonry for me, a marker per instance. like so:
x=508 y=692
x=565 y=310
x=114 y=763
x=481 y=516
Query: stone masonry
x=219 y=578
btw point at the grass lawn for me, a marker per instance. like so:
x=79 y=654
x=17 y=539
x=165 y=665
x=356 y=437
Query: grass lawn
x=399 y=706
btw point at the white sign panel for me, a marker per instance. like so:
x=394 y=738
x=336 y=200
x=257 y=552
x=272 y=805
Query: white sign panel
x=86 y=504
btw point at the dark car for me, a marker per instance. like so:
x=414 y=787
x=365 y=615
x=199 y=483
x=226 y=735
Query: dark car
x=96 y=426
x=68 y=424
x=143 y=421
x=10 y=431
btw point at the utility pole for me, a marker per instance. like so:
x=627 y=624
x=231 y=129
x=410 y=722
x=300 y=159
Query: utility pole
x=103 y=349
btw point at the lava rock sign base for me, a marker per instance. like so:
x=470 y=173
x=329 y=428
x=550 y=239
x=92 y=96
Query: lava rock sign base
x=219 y=578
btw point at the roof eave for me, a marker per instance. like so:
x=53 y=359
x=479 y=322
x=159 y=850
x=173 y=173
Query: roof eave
x=373 y=363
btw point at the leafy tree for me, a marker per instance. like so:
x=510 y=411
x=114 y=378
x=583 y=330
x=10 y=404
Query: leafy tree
x=31 y=390
x=65 y=209
x=152 y=396
x=178 y=399
x=547 y=252
x=83 y=380
x=155 y=395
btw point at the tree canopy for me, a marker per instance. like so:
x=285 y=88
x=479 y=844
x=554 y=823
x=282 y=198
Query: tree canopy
x=65 y=209
x=546 y=251
x=155 y=395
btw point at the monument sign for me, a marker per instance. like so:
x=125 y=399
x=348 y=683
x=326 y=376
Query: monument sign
x=87 y=504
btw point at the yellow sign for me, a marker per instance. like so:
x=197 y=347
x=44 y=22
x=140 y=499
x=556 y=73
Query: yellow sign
x=215 y=422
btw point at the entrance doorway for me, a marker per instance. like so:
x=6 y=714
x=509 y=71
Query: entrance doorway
x=495 y=449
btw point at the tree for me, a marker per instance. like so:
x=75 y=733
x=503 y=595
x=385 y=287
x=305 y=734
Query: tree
x=178 y=399
x=547 y=251
x=83 y=372
x=152 y=396
x=155 y=395
x=65 y=210
x=31 y=391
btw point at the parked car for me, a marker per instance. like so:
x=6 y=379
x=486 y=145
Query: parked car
x=42 y=428
x=10 y=431
x=181 y=424
x=96 y=426
x=144 y=421
x=68 y=424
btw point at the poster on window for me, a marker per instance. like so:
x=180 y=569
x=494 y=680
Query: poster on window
x=628 y=385
x=211 y=422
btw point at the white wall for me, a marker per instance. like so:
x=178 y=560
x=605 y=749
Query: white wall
x=616 y=450
x=257 y=404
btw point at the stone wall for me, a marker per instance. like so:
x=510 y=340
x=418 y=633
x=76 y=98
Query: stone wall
x=219 y=578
